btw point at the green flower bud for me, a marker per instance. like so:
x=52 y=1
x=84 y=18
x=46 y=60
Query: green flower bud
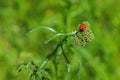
x=82 y=37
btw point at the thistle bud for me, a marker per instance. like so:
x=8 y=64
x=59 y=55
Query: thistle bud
x=83 y=34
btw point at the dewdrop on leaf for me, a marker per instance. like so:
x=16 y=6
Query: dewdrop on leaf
x=83 y=34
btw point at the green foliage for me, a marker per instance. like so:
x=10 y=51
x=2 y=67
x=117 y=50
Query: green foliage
x=99 y=60
x=33 y=71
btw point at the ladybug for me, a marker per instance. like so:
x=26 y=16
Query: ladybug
x=82 y=27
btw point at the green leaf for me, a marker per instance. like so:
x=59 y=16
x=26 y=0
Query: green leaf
x=41 y=28
x=53 y=37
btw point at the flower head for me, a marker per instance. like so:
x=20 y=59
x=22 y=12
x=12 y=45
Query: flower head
x=83 y=34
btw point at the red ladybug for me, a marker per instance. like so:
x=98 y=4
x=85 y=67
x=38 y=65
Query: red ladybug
x=82 y=27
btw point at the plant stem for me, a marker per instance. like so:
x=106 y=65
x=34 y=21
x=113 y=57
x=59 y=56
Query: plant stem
x=54 y=51
x=68 y=62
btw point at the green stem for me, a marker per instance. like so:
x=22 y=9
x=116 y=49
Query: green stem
x=68 y=62
x=54 y=51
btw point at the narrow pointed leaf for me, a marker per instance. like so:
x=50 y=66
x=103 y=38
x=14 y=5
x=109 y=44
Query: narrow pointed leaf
x=41 y=28
x=53 y=37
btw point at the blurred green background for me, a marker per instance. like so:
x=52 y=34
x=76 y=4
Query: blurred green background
x=100 y=59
